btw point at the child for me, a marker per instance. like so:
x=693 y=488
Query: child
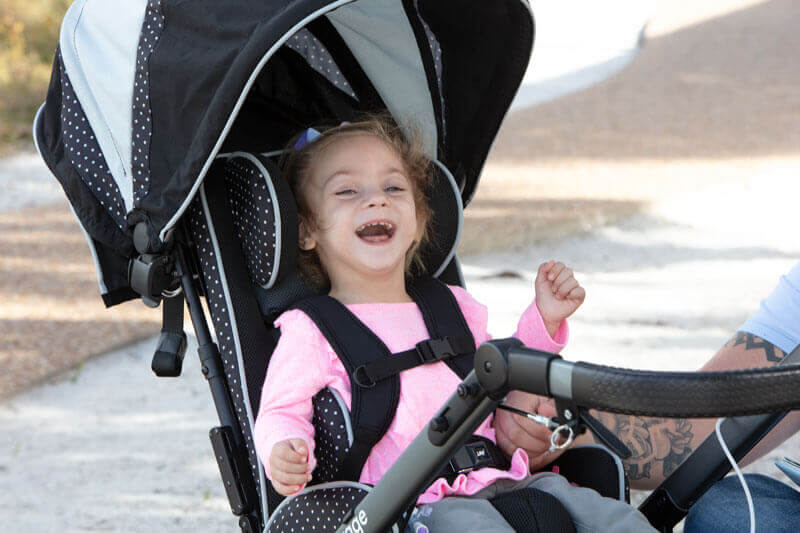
x=360 y=191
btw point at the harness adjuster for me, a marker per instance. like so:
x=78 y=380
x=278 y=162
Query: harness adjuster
x=362 y=379
x=478 y=452
x=434 y=350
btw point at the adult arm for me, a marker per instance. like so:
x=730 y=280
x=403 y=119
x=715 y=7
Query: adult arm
x=659 y=445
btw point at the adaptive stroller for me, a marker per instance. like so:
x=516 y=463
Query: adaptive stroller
x=163 y=121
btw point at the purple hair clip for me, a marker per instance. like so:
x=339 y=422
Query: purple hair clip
x=309 y=136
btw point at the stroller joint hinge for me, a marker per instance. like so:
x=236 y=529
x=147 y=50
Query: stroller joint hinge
x=210 y=361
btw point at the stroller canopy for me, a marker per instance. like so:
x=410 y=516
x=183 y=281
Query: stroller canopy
x=146 y=93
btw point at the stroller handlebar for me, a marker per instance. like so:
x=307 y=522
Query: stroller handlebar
x=505 y=364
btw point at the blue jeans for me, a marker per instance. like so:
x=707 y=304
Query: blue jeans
x=724 y=507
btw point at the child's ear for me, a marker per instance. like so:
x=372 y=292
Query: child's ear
x=305 y=240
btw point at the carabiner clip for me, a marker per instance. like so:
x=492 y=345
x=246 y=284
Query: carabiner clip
x=554 y=445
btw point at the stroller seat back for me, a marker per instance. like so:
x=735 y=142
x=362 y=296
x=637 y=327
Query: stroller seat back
x=244 y=226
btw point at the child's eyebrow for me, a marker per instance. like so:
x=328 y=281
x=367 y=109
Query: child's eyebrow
x=336 y=174
x=348 y=172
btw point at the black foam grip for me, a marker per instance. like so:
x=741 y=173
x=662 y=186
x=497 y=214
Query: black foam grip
x=686 y=394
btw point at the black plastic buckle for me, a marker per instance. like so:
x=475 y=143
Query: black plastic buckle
x=471 y=456
x=434 y=350
x=362 y=379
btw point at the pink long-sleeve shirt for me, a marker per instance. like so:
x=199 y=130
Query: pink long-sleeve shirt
x=304 y=363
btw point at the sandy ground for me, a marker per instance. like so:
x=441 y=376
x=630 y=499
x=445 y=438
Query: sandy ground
x=679 y=175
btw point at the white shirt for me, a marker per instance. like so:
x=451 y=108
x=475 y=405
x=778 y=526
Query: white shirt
x=778 y=318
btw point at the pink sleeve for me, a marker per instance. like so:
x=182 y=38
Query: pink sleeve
x=533 y=334
x=298 y=369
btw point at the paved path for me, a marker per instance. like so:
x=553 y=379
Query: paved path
x=112 y=448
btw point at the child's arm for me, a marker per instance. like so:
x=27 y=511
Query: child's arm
x=298 y=369
x=558 y=294
x=289 y=466
x=542 y=326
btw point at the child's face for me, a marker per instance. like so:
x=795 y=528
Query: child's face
x=364 y=207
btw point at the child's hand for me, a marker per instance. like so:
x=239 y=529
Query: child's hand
x=558 y=294
x=288 y=464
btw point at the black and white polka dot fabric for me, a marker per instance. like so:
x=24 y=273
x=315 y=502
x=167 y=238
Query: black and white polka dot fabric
x=436 y=53
x=318 y=58
x=331 y=435
x=142 y=125
x=318 y=509
x=85 y=155
x=254 y=208
x=221 y=318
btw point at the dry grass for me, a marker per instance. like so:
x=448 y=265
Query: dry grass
x=28 y=39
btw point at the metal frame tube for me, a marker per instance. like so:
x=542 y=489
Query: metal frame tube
x=500 y=366
x=417 y=467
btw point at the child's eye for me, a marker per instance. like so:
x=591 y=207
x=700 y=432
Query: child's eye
x=394 y=188
x=345 y=192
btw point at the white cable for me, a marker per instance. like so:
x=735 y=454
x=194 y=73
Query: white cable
x=739 y=474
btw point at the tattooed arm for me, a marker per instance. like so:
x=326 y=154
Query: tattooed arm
x=660 y=445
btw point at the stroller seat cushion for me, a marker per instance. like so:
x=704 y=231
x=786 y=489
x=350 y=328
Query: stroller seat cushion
x=333 y=434
x=264 y=215
x=320 y=508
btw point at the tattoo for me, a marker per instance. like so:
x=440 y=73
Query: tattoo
x=651 y=440
x=751 y=342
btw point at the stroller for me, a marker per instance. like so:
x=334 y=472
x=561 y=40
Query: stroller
x=163 y=122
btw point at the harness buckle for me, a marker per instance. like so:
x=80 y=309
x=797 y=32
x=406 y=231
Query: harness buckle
x=434 y=350
x=477 y=452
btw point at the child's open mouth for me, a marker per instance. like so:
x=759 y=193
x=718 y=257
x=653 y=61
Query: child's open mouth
x=376 y=232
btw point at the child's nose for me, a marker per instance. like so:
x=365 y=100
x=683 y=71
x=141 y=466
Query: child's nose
x=377 y=198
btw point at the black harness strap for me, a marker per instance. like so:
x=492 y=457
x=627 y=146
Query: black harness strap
x=443 y=318
x=356 y=344
x=374 y=401
x=425 y=353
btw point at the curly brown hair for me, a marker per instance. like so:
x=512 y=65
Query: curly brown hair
x=407 y=145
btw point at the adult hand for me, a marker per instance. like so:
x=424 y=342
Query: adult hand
x=515 y=431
